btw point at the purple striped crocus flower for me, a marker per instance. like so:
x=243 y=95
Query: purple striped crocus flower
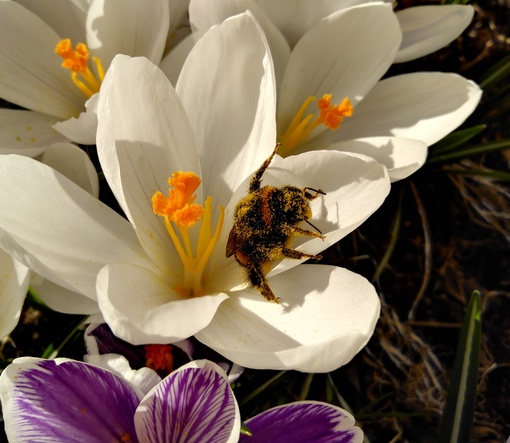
x=67 y=401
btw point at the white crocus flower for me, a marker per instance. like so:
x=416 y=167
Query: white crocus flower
x=75 y=164
x=425 y=29
x=341 y=57
x=31 y=72
x=161 y=279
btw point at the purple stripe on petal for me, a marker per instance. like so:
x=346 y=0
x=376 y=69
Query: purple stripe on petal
x=303 y=422
x=71 y=402
x=192 y=405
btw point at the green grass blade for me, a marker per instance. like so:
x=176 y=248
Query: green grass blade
x=496 y=74
x=456 y=139
x=470 y=151
x=459 y=408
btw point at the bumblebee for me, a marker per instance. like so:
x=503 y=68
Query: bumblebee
x=265 y=222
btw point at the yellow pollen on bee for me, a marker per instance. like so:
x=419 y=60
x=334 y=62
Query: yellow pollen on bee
x=330 y=115
x=77 y=61
x=180 y=210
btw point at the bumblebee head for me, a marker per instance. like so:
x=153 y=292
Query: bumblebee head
x=297 y=206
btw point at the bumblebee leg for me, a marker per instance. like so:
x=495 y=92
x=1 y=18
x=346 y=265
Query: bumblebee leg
x=296 y=231
x=292 y=253
x=256 y=179
x=258 y=280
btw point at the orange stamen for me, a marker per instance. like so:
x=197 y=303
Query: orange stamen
x=77 y=61
x=301 y=126
x=179 y=208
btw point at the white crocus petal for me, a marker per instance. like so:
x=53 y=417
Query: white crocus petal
x=227 y=88
x=30 y=70
x=61 y=299
x=141 y=308
x=204 y=14
x=173 y=62
x=66 y=17
x=325 y=316
x=401 y=156
x=83 y=128
x=319 y=64
x=143 y=137
x=193 y=404
x=426 y=29
x=26 y=132
x=127 y=27
x=423 y=106
x=75 y=164
x=57 y=229
x=14 y=278
x=305 y=14
x=143 y=379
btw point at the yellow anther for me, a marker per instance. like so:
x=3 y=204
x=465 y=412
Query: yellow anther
x=77 y=61
x=179 y=208
x=301 y=126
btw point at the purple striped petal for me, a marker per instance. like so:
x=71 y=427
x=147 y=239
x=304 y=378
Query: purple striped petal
x=303 y=422
x=194 y=405
x=66 y=401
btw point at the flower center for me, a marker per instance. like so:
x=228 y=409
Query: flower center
x=159 y=358
x=77 y=61
x=179 y=210
x=330 y=115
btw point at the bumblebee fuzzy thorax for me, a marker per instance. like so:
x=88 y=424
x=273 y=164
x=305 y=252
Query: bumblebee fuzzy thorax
x=265 y=222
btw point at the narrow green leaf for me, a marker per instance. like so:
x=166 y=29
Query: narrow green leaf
x=499 y=72
x=459 y=408
x=52 y=352
x=470 y=152
x=456 y=139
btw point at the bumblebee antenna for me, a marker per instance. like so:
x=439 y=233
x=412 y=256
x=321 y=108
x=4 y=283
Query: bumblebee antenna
x=310 y=196
x=312 y=225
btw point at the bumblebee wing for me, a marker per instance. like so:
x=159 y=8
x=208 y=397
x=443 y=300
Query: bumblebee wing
x=232 y=243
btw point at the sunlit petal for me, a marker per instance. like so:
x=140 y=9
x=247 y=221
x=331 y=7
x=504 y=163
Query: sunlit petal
x=192 y=405
x=31 y=73
x=423 y=106
x=34 y=391
x=127 y=27
x=56 y=228
x=325 y=316
x=141 y=308
x=319 y=64
x=426 y=29
x=228 y=75
x=143 y=137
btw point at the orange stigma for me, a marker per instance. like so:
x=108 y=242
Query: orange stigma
x=180 y=209
x=159 y=358
x=77 y=61
x=330 y=115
